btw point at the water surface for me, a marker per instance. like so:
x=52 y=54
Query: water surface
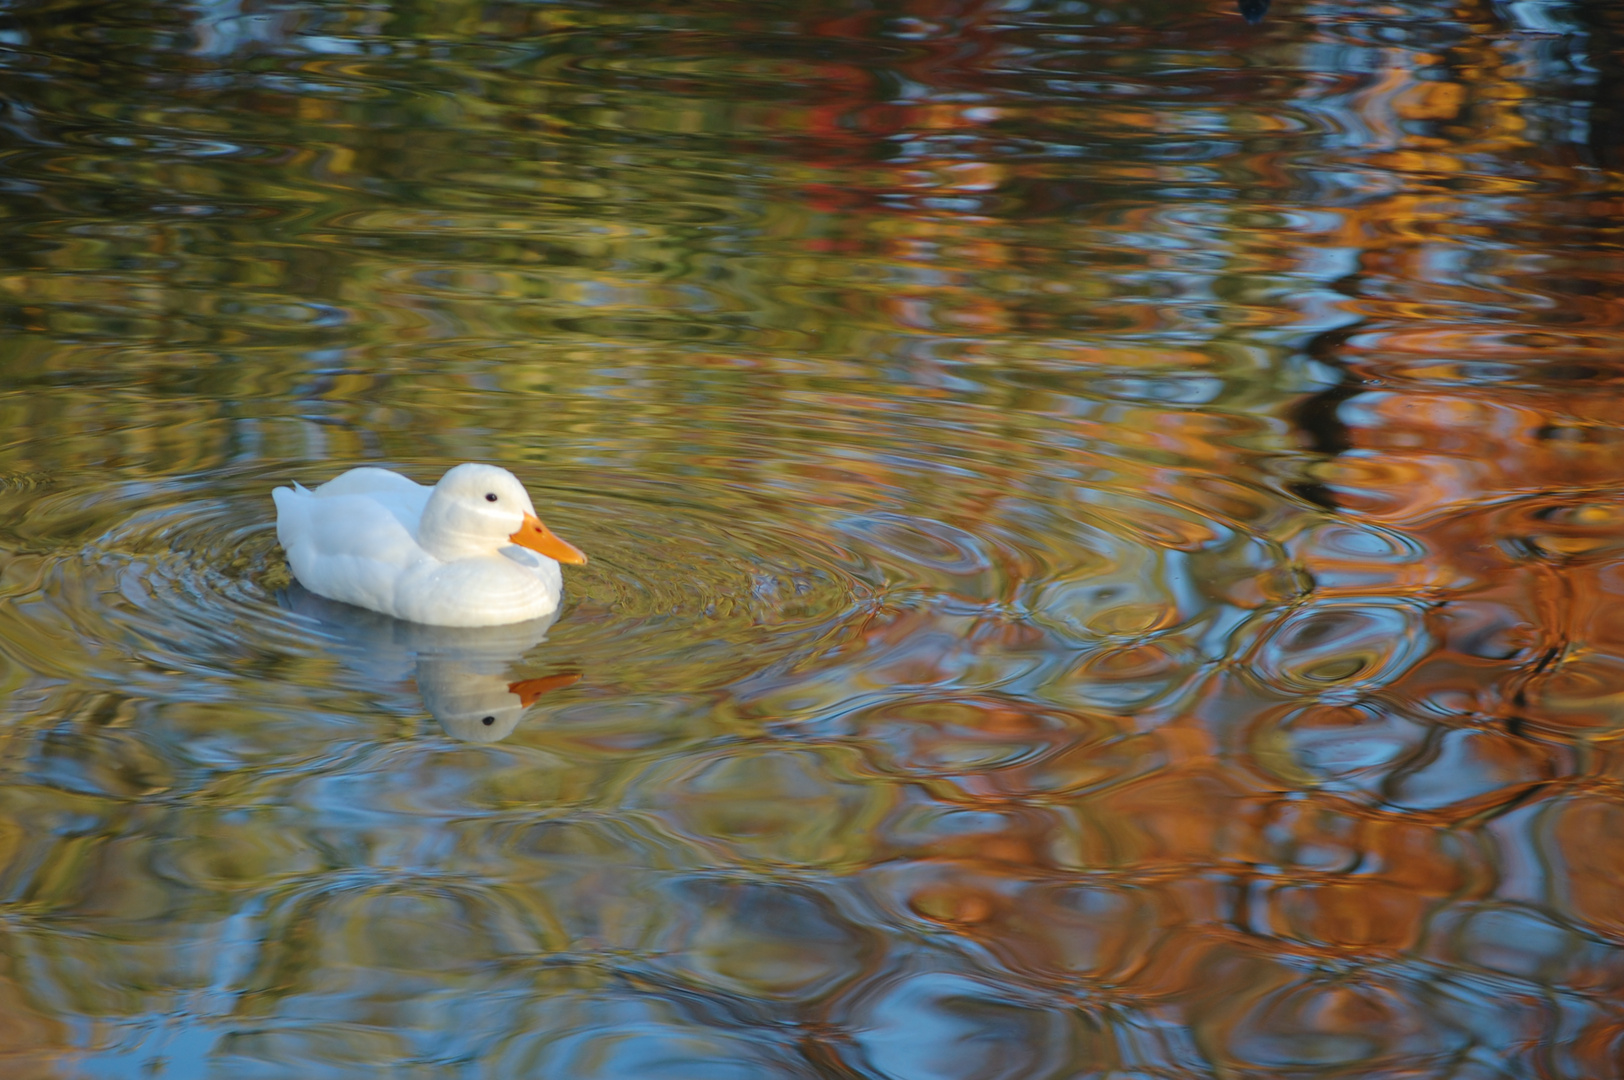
x=1106 y=540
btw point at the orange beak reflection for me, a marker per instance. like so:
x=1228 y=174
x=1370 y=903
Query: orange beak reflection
x=531 y=689
x=538 y=537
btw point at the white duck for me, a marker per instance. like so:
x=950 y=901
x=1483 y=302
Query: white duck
x=443 y=555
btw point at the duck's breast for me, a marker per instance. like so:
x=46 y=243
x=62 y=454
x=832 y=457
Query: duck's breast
x=480 y=591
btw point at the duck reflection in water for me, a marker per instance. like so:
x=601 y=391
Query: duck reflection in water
x=462 y=673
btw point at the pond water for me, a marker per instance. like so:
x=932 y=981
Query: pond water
x=1105 y=522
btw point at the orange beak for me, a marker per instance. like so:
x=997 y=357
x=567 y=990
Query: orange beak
x=538 y=537
x=531 y=689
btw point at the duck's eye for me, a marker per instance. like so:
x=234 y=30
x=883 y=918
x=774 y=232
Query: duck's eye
x=488 y=721
x=490 y=496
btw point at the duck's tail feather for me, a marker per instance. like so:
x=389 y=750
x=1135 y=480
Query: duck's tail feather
x=290 y=513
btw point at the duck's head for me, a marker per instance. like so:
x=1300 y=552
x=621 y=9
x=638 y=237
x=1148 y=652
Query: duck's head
x=480 y=509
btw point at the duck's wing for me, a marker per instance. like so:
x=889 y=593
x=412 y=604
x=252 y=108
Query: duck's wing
x=367 y=480
x=401 y=497
x=346 y=546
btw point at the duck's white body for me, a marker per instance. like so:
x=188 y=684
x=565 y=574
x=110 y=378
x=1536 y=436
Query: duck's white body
x=446 y=555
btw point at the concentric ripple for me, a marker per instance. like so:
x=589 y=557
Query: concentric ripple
x=185 y=577
x=672 y=583
x=177 y=575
